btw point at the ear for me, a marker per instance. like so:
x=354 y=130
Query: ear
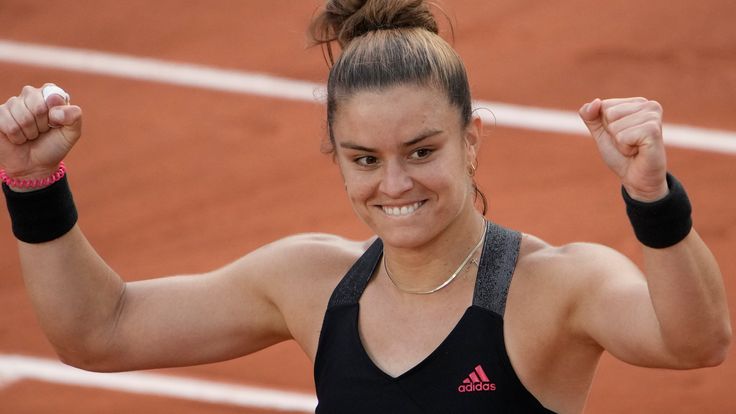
x=473 y=132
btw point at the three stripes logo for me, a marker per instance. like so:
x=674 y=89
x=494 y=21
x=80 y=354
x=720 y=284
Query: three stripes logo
x=477 y=381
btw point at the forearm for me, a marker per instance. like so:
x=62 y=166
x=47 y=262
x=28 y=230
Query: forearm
x=689 y=298
x=75 y=294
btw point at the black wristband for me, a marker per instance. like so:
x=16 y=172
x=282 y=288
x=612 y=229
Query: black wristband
x=662 y=223
x=42 y=215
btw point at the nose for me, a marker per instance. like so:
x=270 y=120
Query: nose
x=396 y=180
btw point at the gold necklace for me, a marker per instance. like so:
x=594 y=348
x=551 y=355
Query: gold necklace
x=449 y=279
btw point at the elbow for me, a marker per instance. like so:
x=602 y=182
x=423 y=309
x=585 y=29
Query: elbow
x=85 y=358
x=87 y=364
x=79 y=360
x=719 y=351
x=710 y=353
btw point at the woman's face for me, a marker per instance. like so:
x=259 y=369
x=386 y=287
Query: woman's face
x=404 y=154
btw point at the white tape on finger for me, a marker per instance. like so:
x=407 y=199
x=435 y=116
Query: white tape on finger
x=49 y=90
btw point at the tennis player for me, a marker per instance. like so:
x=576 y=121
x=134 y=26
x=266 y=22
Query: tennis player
x=445 y=311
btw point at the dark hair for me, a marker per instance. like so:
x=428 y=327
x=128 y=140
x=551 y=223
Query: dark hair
x=387 y=43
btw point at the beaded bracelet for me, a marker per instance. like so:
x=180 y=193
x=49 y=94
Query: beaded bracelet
x=36 y=183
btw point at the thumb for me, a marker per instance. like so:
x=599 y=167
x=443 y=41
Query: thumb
x=590 y=113
x=68 y=118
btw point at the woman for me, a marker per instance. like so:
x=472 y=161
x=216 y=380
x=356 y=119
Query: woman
x=444 y=311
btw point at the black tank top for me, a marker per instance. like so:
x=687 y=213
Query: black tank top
x=469 y=372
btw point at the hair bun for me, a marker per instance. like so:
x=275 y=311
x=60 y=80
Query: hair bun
x=344 y=20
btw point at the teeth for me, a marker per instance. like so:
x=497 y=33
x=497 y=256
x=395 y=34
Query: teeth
x=402 y=211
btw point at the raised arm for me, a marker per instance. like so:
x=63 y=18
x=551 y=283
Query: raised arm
x=91 y=316
x=674 y=314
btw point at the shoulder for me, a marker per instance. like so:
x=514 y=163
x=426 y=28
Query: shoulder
x=315 y=249
x=309 y=263
x=306 y=256
x=296 y=275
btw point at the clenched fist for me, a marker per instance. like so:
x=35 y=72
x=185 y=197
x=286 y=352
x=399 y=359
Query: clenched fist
x=37 y=133
x=628 y=133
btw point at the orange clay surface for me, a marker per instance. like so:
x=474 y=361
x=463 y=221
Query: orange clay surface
x=172 y=180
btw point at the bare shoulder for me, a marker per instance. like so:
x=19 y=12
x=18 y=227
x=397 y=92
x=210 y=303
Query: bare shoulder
x=314 y=255
x=297 y=274
x=307 y=259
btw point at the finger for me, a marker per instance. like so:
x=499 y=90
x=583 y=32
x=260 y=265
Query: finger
x=609 y=103
x=590 y=111
x=640 y=135
x=51 y=89
x=54 y=96
x=633 y=120
x=69 y=118
x=9 y=127
x=35 y=104
x=591 y=114
x=23 y=117
x=617 y=112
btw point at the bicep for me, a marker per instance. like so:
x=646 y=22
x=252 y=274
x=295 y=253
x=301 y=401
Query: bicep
x=194 y=319
x=615 y=310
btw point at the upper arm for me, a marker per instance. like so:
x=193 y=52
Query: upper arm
x=229 y=312
x=613 y=307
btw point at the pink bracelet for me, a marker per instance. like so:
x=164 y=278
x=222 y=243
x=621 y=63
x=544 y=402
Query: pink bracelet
x=33 y=184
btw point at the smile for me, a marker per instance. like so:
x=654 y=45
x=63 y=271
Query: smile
x=398 y=211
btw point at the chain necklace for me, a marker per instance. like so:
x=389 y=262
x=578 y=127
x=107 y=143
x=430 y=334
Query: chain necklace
x=449 y=279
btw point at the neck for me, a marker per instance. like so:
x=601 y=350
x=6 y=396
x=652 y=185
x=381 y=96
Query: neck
x=426 y=267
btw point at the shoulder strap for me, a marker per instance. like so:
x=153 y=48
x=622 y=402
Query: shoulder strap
x=497 y=264
x=352 y=285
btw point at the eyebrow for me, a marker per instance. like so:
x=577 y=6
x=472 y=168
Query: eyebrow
x=421 y=137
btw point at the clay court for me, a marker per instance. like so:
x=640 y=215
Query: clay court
x=175 y=178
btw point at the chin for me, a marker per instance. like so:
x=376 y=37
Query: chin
x=406 y=236
x=407 y=232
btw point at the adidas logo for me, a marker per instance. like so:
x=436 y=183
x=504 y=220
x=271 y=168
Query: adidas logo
x=477 y=381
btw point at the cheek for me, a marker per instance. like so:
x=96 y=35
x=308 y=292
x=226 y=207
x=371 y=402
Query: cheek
x=359 y=187
x=447 y=178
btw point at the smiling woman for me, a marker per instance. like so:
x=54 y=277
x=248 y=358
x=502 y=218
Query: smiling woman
x=404 y=154
x=443 y=311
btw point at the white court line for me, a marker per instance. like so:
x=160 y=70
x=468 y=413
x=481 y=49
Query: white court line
x=18 y=368
x=506 y=115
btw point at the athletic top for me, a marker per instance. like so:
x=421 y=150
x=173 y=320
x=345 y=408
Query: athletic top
x=469 y=372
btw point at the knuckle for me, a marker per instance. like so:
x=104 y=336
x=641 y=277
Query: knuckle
x=653 y=116
x=609 y=115
x=655 y=106
x=27 y=90
x=13 y=129
x=653 y=125
x=38 y=109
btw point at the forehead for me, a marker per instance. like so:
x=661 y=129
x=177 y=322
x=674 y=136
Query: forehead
x=397 y=112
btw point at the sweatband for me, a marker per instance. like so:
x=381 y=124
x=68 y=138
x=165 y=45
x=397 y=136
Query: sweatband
x=42 y=215
x=662 y=223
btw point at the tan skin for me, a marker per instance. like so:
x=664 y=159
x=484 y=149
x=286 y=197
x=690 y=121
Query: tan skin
x=403 y=146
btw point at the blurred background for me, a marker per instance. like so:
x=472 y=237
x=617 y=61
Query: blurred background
x=183 y=178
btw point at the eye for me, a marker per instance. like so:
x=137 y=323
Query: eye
x=421 y=154
x=366 y=160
